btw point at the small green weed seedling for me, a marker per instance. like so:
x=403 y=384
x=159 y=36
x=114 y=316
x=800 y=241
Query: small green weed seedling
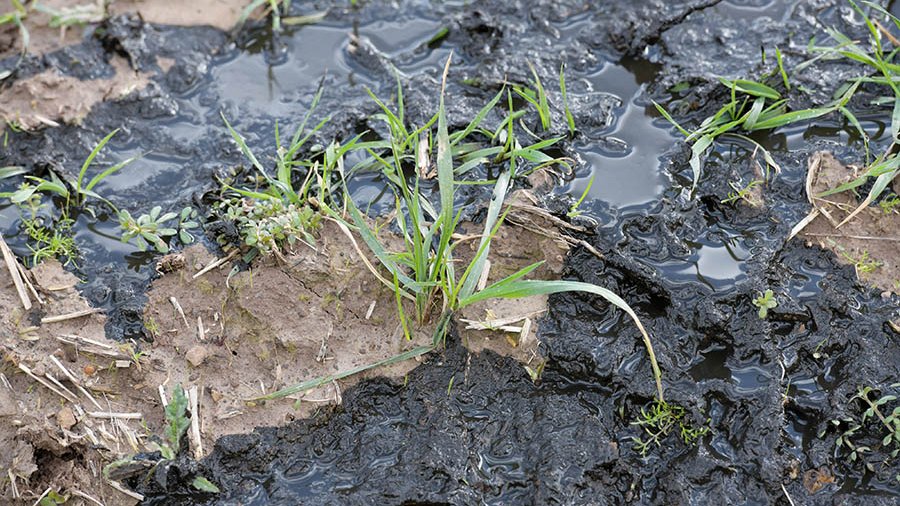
x=659 y=421
x=745 y=193
x=872 y=437
x=765 y=302
x=425 y=271
x=177 y=421
x=863 y=264
x=890 y=204
x=151 y=229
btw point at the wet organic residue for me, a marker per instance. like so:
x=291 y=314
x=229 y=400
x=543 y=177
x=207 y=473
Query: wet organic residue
x=477 y=427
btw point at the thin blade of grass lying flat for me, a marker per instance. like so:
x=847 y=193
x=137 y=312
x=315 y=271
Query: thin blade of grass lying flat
x=518 y=288
x=323 y=380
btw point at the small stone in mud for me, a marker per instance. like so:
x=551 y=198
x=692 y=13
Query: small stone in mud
x=66 y=418
x=196 y=355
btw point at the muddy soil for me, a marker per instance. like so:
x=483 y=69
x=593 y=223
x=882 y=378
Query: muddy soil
x=468 y=424
x=234 y=337
x=869 y=242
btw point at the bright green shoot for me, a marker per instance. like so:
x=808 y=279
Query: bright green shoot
x=79 y=189
x=537 y=97
x=16 y=17
x=573 y=211
x=570 y=120
x=426 y=269
x=764 y=302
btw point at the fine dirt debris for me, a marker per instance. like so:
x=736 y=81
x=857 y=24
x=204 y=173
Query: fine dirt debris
x=56 y=380
x=222 y=14
x=45 y=36
x=50 y=98
x=234 y=336
x=869 y=242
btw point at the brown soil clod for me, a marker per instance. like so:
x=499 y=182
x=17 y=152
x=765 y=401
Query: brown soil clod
x=50 y=98
x=869 y=241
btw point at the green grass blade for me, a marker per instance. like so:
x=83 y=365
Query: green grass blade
x=444 y=158
x=12 y=171
x=895 y=121
x=792 y=117
x=90 y=158
x=665 y=114
x=476 y=121
x=473 y=272
x=754 y=113
x=251 y=194
x=103 y=175
x=751 y=88
x=880 y=184
x=243 y=147
x=525 y=288
x=372 y=242
x=570 y=120
x=543 y=106
x=784 y=74
x=697 y=151
x=859 y=129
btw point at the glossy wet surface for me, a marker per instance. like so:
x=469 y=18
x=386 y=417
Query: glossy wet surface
x=690 y=266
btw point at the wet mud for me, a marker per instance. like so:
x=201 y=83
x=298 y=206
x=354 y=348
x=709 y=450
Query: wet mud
x=469 y=425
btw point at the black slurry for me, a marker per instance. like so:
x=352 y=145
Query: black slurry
x=689 y=266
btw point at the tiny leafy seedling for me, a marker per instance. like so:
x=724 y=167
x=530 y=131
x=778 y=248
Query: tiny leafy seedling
x=660 y=420
x=765 y=302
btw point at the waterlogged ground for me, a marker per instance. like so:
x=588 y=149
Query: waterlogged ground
x=469 y=427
